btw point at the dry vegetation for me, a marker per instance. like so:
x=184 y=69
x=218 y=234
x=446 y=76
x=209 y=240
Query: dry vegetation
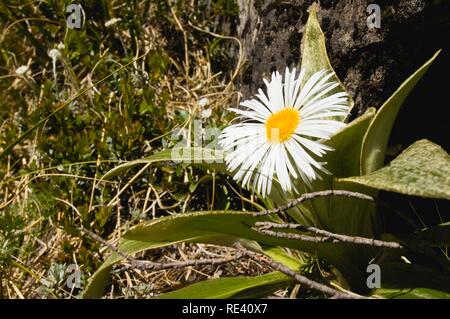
x=50 y=181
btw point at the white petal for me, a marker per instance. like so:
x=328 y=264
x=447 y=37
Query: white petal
x=257 y=106
x=315 y=147
x=249 y=114
x=307 y=88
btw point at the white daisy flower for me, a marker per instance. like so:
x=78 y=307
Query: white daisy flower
x=280 y=131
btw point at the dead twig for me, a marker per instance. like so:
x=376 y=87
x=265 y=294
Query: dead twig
x=328 y=237
x=156 y=266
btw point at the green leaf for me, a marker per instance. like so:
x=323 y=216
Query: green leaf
x=314 y=52
x=376 y=139
x=423 y=169
x=401 y=280
x=347 y=143
x=193 y=186
x=232 y=287
x=279 y=255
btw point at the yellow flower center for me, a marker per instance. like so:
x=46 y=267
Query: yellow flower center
x=281 y=125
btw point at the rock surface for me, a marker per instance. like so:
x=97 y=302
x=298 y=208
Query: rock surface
x=371 y=62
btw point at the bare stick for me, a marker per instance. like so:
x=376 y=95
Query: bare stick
x=333 y=293
x=155 y=266
x=264 y=227
x=96 y=237
x=308 y=196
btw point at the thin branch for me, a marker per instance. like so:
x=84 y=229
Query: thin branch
x=96 y=237
x=309 y=196
x=309 y=239
x=328 y=237
x=156 y=266
x=333 y=293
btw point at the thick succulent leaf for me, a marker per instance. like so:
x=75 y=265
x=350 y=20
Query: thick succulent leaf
x=215 y=227
x=401 y=280
x=280 y=255
x=423 y=169
x=203 y=157
x=347 y=143
x=314 y=52
x=377 y=136
x=232 y=287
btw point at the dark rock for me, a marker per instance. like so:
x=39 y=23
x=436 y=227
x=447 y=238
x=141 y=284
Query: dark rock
x=371 y=62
